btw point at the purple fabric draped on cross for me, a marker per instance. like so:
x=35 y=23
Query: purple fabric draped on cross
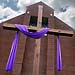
x=23 y=29
x=11 y=59
x=35 y=35
x=59 y=59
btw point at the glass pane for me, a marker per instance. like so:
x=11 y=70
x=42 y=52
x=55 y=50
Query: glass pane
x=44 y=22
x=33 y=21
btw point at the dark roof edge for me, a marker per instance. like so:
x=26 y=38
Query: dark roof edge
x=12 y=18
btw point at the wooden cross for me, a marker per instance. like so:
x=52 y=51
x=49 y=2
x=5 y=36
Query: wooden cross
x=36 y=63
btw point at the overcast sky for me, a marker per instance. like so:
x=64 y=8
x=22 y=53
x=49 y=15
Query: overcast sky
x=64 y=9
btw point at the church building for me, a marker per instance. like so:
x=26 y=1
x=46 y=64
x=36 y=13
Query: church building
x=38 y=56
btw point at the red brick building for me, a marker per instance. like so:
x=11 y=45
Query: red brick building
x=25 y=52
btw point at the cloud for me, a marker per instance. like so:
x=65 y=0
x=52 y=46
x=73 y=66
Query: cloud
x=1 y=9
x=9 y=3
x=65 y=10
x=68 y=16
x=57 y=4
x=6 y=13
x=7 y=0
x=23 y=3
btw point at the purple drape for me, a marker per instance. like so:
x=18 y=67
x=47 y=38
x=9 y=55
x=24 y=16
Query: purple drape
x=59 y=59
x=23 y=29
x=35 y=35
x=11 y=59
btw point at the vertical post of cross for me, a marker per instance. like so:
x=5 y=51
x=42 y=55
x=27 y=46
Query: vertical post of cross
x=36 y=62
x=40 y=11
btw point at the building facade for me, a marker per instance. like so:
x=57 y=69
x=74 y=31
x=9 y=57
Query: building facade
x=26 y=46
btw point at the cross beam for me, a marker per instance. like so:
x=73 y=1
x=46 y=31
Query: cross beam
x=32 y=28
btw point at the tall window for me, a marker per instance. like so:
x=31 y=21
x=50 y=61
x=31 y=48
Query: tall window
x=44 y=22
x=33 y=21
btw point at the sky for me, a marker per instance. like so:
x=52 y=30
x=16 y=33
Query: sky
x=63 y=9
